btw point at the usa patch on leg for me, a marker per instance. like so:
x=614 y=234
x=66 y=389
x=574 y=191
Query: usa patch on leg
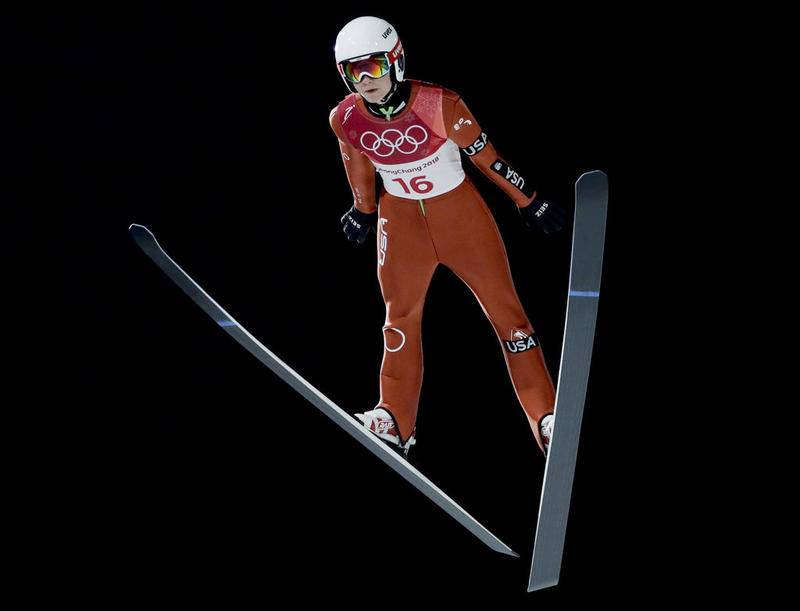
x=521 y=341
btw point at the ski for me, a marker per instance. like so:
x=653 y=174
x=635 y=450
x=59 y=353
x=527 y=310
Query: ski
x=588 y=237
x=148 y=243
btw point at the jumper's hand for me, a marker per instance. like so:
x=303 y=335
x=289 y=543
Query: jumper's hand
x=547 y=216
x=357 y=225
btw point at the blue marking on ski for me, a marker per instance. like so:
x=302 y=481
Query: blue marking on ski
x=584 y=293
x=226 y=323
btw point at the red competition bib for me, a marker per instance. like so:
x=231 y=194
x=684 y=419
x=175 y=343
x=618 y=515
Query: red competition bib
x=412 y=153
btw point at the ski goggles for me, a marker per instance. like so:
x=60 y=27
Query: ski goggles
x=373 y=66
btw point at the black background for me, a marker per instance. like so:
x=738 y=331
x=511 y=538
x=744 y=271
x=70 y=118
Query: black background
x=196 y=470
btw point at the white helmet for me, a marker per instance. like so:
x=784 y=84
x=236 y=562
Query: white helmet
x=366 y=36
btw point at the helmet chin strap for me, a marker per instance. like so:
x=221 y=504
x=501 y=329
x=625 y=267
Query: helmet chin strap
x=385 y=98
x=399 y=92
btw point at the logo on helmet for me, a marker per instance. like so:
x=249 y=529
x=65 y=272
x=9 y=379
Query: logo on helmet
x=396 y=52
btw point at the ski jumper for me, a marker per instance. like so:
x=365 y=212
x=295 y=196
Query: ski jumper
x=430 y=213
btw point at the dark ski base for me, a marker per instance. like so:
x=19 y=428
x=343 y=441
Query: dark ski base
x=588 y=238
x=147 y=242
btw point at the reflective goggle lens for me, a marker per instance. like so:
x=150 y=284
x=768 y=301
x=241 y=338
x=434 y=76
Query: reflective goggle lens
x=375 y=67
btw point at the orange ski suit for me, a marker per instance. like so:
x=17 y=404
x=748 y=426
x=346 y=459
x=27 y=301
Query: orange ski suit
x=430 y=213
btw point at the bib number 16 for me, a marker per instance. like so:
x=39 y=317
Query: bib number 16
x=417 y=184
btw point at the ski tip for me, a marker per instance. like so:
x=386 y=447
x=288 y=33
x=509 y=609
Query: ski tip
x=597 y=173
x=593 y=176
x=141 y=234
x=136 y=228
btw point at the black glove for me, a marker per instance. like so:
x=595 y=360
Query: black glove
x=547 y=216
x=357 y=225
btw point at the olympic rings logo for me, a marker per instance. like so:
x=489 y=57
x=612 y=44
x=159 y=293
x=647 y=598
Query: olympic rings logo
x=393 y=140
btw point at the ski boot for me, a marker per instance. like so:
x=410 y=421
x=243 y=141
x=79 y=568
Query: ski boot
x=546 y=430
x=380 y=423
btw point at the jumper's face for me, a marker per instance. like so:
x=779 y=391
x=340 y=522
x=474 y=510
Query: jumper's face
x=373 y=90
